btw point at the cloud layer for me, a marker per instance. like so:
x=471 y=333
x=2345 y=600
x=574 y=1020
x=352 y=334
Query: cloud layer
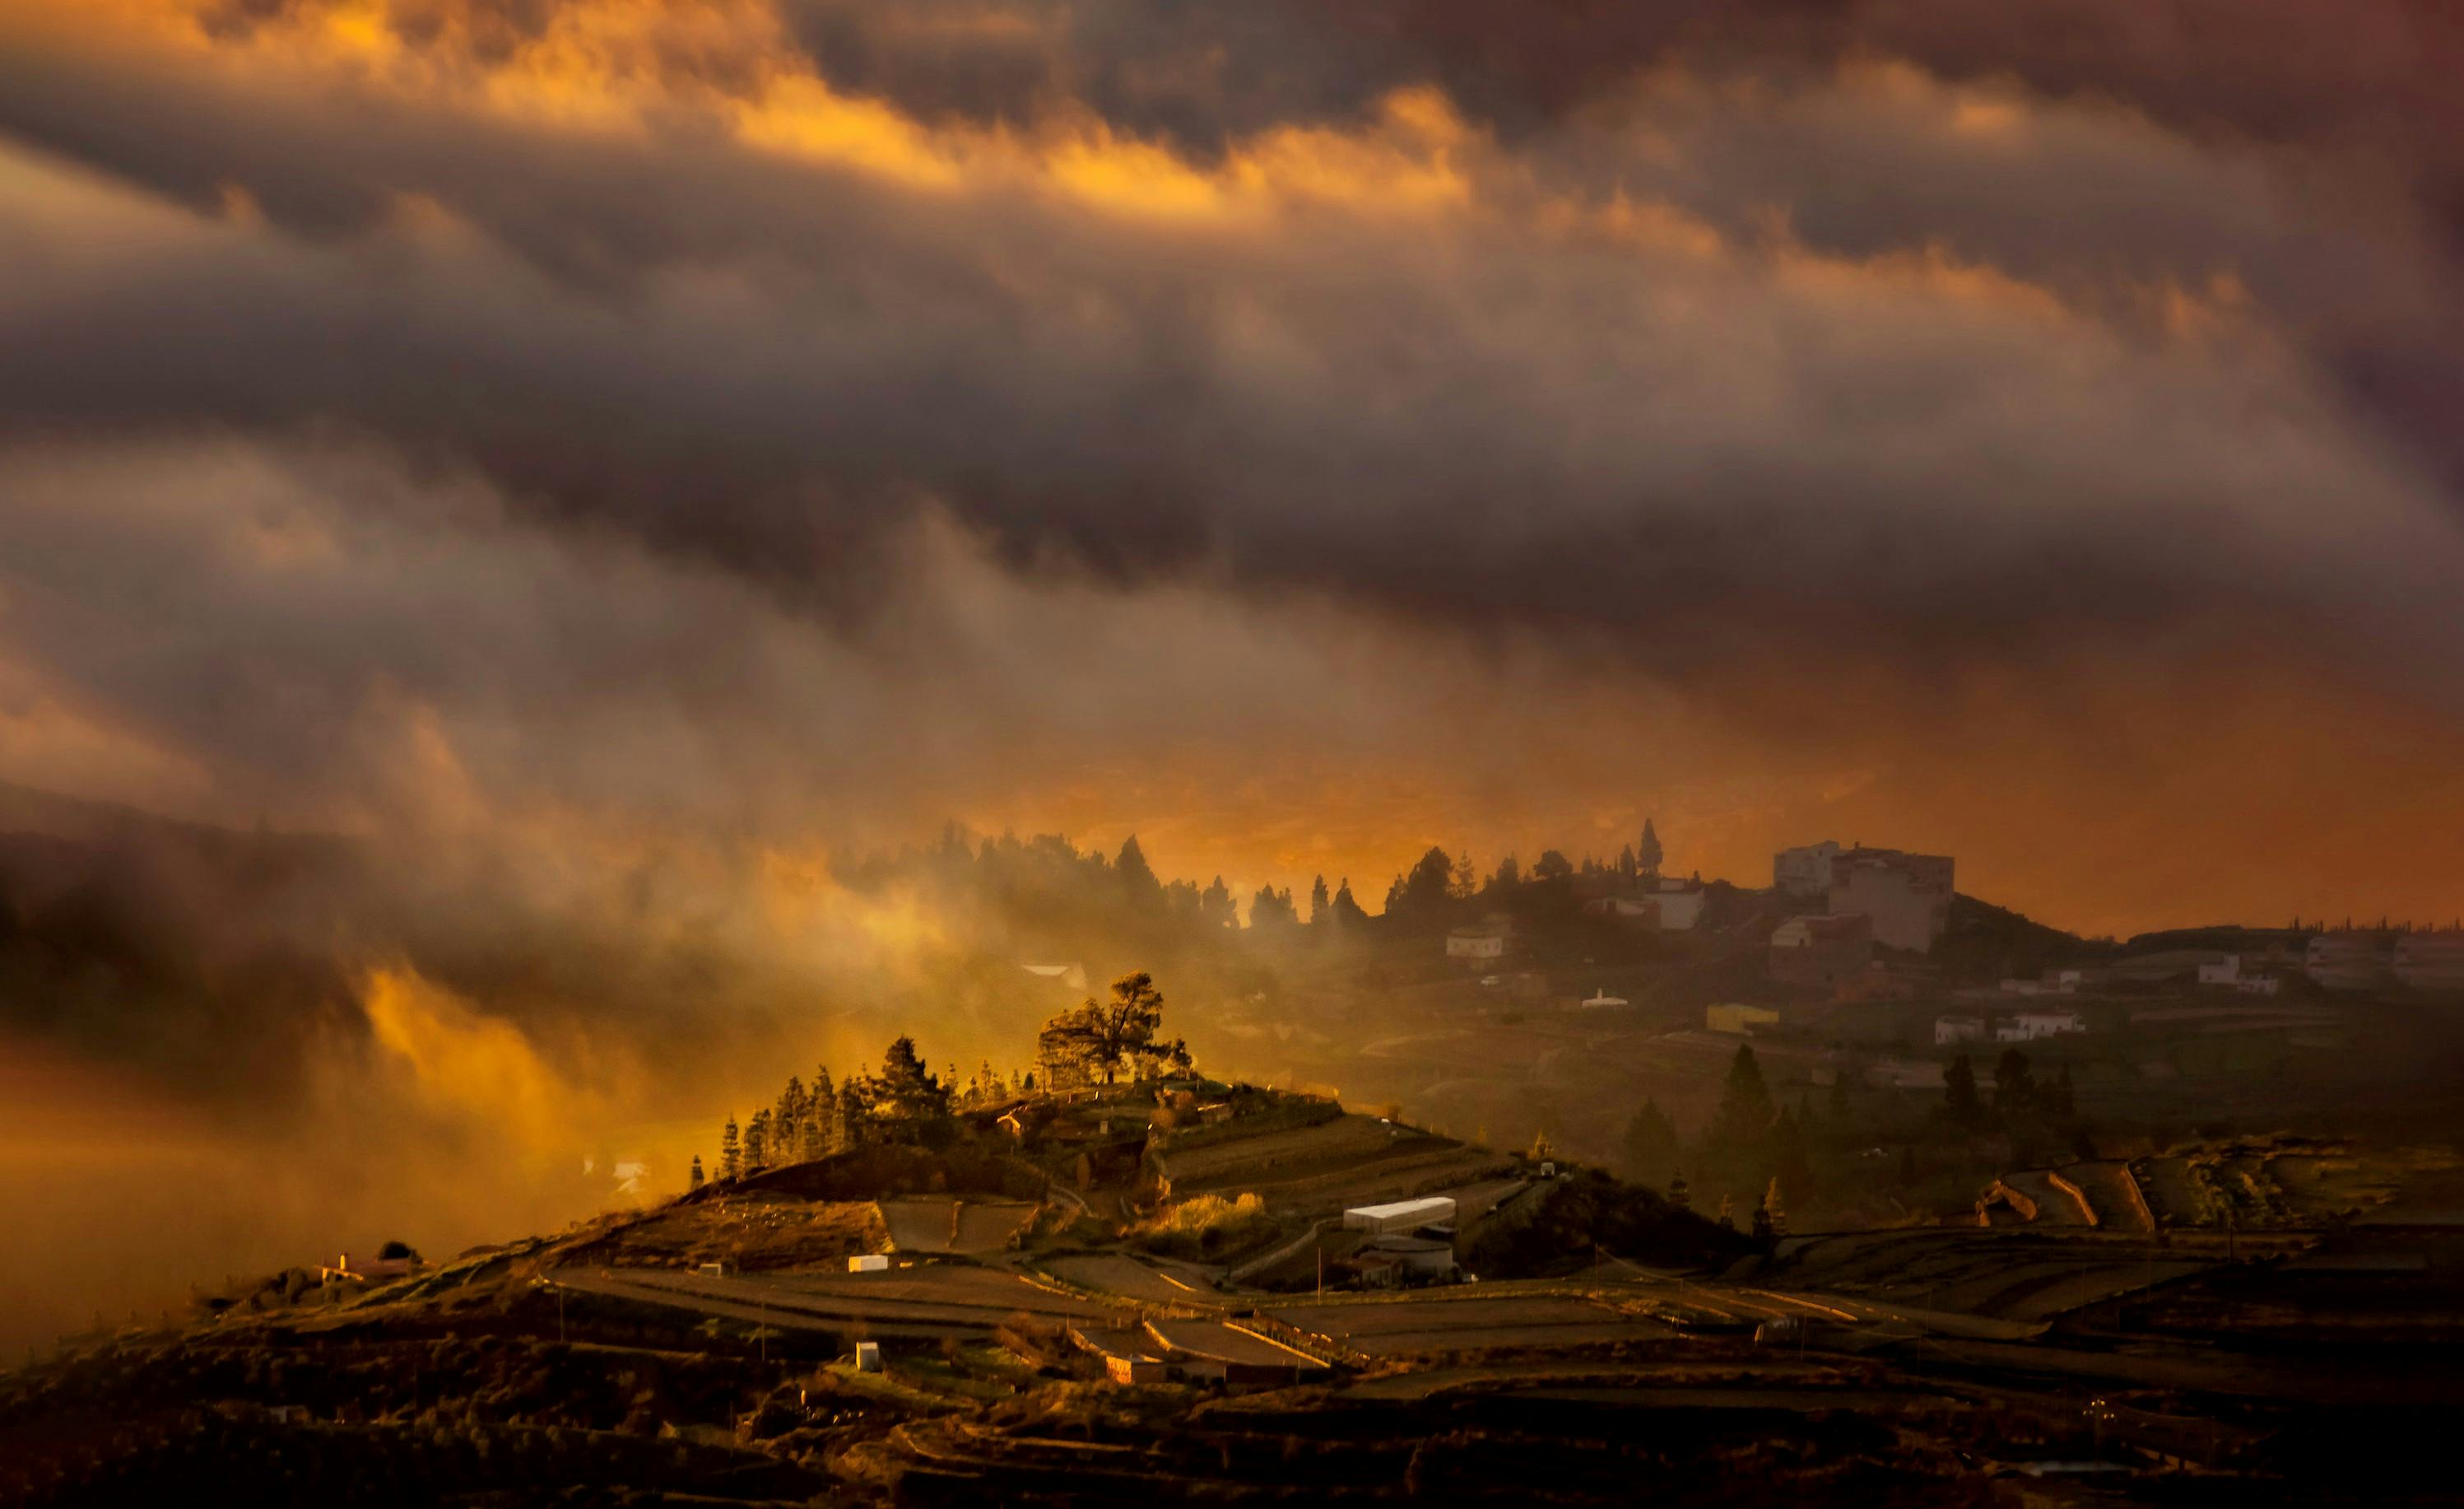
x=791 y=422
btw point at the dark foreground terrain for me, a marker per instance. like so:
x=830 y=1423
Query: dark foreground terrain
x=1044 y=1344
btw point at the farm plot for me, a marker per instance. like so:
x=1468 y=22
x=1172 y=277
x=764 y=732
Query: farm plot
x=932 y=1225
x=1115 y=1273
x=1351 y=1161
x=925 y=1301
x=1407 y=1328
x=1284 y=1154
x=1227 y=1343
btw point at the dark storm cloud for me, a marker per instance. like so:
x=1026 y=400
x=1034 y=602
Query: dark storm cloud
x=757 y=362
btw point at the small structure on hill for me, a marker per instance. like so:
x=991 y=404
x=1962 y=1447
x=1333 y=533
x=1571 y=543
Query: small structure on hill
x=2027 y=1027
x=1388 y=1259
x=1402 y=1216
x=2233 y=973
x=1958 y=1027
x=1820 y=950
x=1482 y=942
x=1068 y=976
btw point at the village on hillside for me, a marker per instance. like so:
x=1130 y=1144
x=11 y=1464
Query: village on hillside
x=1863 y=1211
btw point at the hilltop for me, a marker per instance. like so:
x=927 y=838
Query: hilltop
x=1114 y=1295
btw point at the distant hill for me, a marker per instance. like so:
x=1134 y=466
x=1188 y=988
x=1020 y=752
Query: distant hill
x=1984 y=941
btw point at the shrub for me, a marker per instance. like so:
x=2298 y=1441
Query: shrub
x=1207 y=1225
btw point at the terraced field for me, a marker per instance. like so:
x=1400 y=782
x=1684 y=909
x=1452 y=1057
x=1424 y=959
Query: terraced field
x=926 y=1224
x=1979 y=1273
x=923 y=1302
x=1117 y=1272
x=1351 y=1160
x=1425 y=1325
x=1228 y=1343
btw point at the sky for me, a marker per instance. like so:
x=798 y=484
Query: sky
x=543 y=437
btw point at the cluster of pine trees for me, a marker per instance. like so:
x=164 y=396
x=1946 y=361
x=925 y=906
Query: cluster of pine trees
x=900 y=1103
x=1751 y=1144
x=1046 y=881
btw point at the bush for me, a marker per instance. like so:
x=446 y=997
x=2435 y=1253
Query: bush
x=1207 y=1226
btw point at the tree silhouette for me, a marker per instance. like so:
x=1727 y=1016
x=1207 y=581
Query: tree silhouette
x=730 y=1152
x=1137 y=876
x=1346 y=910
x=1650 y=1145
x=1959 y=1092
x=693 y=1177
x=1740 y=1130
x=2014 y=1085
x=1319 y=901
x=1424 y=890
x=1100 y=1038
x=905 y=1090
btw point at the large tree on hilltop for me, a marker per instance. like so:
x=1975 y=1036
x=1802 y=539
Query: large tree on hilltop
x=1100 y=1038
x=1426 y=889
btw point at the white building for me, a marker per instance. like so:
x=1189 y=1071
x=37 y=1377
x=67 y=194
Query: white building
x=1805 y=870
x=1680 y=905
x=2027 y=1027
x=1403 y=1216
x=2228 y=974
x=1948 y=1030
x=1069 y=976
x=1480 y=943
x=2430 y=962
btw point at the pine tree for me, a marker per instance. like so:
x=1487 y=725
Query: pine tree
x=825 y=1113
x=1740 y=1131
x=1772 y=1220
x=2014 y=1085
x=1650 y=1145
x=787 y=1124
x=1345 y=910
x=854 y=1124
x=730 y=1152
x=1792 y=1167
x=1646 y=854
x=757 y=1142
x=1135 y=876
x=2057 y=1095
x=1319 y=901
x=1959 y=1092
x=693 y=1178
